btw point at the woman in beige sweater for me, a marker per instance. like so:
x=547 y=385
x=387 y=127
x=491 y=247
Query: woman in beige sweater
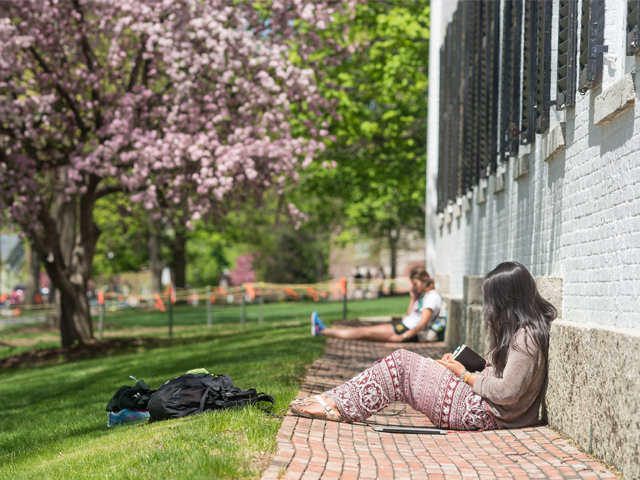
x=506 y=394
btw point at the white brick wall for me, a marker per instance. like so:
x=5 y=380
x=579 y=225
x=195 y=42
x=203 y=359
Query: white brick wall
x=576 y=217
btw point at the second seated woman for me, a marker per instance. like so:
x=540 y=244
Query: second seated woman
x=422 y=313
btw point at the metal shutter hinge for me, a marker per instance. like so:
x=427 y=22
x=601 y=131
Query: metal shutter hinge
x=599 y=49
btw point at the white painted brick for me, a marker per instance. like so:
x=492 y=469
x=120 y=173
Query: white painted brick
x=576 y=217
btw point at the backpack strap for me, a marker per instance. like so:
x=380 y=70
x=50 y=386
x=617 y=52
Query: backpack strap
x=204 y=399
x=263 y=397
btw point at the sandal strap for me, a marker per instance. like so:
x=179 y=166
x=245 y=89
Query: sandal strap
x=329 y=411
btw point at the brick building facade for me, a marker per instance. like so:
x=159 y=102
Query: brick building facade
x=534 y=156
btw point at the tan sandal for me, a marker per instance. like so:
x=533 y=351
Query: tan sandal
x=329 y=413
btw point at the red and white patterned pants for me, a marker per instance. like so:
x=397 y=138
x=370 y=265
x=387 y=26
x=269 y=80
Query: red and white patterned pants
x=425 y=385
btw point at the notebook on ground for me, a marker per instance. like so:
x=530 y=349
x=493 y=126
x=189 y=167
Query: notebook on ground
x=470 y=359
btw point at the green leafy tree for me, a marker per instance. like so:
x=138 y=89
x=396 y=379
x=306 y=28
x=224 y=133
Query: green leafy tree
x=207 y=256
x=122 y=246
x=373 y=173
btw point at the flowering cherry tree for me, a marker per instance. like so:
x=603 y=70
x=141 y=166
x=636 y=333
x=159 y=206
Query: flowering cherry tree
x=185 y=105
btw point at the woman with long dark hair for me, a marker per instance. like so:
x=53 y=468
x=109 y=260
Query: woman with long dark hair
x=506 y=394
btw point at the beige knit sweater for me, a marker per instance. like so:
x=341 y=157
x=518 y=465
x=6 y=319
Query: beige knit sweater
x=514 y=399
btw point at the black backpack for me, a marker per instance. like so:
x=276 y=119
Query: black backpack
x=196 y=393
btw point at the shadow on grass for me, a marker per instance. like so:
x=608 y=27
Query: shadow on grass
x=106 y=347
x=45 y=405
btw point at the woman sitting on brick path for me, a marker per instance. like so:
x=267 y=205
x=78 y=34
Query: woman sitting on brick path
x=506 y=394
x=422 y=313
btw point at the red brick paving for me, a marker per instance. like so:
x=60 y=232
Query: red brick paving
x=313 y=449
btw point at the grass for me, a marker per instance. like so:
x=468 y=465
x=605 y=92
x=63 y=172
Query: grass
x=54 y=423
x=190 y=321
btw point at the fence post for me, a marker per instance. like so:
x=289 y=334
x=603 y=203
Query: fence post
x=242 y=314
x=100 y=313
x=343 y=282
x=170 y=292
x=261 y=304
x=208 y=307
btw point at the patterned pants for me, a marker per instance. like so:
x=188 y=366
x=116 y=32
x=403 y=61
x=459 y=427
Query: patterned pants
x=408 y=377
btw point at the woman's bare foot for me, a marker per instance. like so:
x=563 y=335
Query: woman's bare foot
x=297 y=402
x=316 y=408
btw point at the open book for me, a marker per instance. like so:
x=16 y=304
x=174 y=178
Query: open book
x=470 y=359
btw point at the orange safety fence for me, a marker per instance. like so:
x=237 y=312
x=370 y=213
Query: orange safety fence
x=292 y=293
x=313 y=294
x=159 y=303
x=324 y=291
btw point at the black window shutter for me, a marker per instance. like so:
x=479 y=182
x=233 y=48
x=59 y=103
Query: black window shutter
x=489 y=85
x=451 y=116
x=543 y=83
x=442 y=161
x=466 y=28
x=475 y=92
x=567 y=50
x=591 y=38
x=447 y=127
x=454 y=103
x=447 y=117
x=484 y=89
x=633 y=31
x=529 y=77
x=511 y=65
x=493 y=17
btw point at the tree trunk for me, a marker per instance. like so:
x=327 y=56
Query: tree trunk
x=179 y=259
x=72 y=303
x=320 y=265
x=33 y=282
x=155 y=265
x=75 y=315
x=393 y=250
x=66 y=227
x=71 y=293
x=67 y=246
x=53 y=319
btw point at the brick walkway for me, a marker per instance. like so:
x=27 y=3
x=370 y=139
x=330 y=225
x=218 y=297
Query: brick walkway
x=311 y=449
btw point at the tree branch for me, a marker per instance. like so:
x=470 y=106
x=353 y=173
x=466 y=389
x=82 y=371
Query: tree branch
x=104 y=191
x=61 y=91
x=57 y=270
x=89 y=58
x=136 y=69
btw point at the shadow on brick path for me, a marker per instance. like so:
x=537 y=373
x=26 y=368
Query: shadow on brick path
x=311 y=449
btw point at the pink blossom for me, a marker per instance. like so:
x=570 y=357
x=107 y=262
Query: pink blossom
x=185 y=106
x=243 y=272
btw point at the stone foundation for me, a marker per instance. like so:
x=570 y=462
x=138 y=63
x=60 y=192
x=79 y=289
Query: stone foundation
x=593 y=394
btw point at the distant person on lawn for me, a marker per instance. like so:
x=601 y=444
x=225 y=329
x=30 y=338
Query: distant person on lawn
x=506 y=394
x=422 y=313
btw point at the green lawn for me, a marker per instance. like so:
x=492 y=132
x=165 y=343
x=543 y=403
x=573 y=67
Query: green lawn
x=53 y=421
x=191 y=322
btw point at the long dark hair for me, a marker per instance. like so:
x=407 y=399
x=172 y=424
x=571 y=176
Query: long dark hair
x=512 y=302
